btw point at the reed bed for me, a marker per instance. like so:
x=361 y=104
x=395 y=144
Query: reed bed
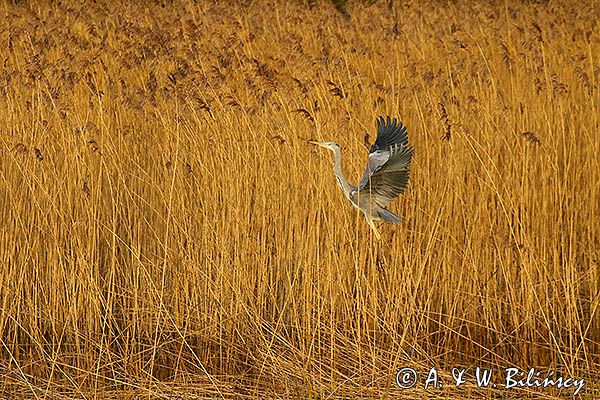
x=168 y=231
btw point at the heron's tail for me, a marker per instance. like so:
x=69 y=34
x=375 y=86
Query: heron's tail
x=388 y=216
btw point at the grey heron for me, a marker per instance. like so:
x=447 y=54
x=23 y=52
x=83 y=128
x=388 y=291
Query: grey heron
x=386 y=175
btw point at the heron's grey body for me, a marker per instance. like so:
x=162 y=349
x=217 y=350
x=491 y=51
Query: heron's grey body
x=386 y=175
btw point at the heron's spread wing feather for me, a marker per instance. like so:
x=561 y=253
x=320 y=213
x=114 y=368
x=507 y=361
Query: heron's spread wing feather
x=389 y=161
x=390 y=180
x=389 y=132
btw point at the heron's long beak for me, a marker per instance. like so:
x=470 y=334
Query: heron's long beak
x=318 y=143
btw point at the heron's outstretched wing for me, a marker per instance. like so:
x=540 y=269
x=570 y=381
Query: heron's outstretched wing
x=391 y=179
x=389 y=161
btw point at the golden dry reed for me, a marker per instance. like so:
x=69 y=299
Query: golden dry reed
x=166 y=229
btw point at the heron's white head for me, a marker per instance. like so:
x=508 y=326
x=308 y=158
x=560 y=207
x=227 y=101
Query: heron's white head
x=328 y=145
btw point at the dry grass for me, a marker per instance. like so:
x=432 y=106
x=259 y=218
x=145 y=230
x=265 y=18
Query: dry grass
x=167 y=230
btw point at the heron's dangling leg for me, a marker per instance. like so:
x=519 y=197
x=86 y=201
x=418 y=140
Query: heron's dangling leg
x=372 y=225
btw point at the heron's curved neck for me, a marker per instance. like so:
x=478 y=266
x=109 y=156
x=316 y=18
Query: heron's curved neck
x=339 y=175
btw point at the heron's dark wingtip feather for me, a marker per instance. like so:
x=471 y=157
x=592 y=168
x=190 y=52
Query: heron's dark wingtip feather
x=389 y=133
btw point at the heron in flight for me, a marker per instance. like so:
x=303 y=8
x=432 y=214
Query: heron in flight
x=386 y=176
